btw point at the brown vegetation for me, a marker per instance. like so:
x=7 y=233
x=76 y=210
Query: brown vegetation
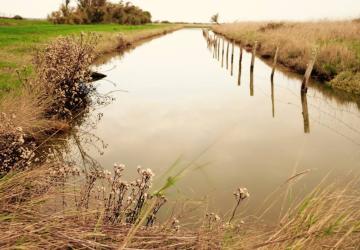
x=63 y=71
x=338 y=43
x=45 y=207
x=99 y=11
x=95 y=213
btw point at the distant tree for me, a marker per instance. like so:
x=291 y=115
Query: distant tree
x=18 y=17
x=100 y=11
x=215 y=18
x=64 y=8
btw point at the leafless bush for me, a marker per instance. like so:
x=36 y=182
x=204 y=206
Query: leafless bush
x=63 y=69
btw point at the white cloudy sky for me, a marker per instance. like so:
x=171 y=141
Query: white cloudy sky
x=201 y=10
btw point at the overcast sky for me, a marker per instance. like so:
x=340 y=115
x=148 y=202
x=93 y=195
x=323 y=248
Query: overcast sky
x=201 y=10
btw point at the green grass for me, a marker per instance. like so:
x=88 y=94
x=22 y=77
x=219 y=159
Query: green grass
x=20 y=38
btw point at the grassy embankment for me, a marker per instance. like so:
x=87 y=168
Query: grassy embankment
x=19 y=39
x=338 y=60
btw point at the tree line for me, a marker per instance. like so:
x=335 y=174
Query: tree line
x=99 y=11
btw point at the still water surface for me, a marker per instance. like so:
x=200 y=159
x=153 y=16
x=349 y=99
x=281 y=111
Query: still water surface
x=182 y=104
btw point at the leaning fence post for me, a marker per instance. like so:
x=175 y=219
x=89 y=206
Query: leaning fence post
x=275 y=62
x=305 y=82
x=253 y=57
x=305 y=113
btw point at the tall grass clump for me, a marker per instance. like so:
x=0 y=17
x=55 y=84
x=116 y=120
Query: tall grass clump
x=23 y=126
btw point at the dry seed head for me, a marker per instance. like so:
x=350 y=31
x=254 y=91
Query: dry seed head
x=241 y=193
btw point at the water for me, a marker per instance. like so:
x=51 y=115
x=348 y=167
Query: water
x=181 y=104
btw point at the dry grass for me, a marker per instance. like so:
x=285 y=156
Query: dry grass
x=44 y=213
x=338 y=42
x=327 y=218
x=39 y=211
x=22 y=125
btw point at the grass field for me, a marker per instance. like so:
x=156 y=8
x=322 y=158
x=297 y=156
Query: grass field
x=20 y=38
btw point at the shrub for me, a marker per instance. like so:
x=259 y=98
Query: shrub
x=100 y=11
x=63 y=68
x=18 y=17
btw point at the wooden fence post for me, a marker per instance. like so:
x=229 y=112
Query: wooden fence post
x=253 y=57
x=240 y=62
x=214 y=47
x=223 y=51
x=208 y=41
x=218 y=52
x=252 y=83
x=305 y=82
x=305 y=113
x=272 y=98
x=227 y=55
x=275 y=62
x=232 y=57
